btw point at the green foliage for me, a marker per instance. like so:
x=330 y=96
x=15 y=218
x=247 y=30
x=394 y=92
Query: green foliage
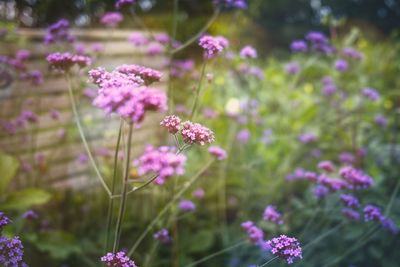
x=8 y=168
x=25 y=199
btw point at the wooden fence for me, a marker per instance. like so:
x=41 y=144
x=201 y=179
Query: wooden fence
x=43 y=145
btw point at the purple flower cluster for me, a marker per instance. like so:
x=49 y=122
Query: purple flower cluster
x=11 y=252
x=298 y=46
x=292 y=68
x=4 y=220
x=138 y=39
x=355 y=178
x=341 y=65
x=248 y=52
x=213 y=45
x=255 y=234
x=306 y=138
x=352 y=53
x=163 y=161
x=172 y=123
x=329 y=87
x=380 y=120
x=162 y=236
x=58 y=33
x=351 y=214
x=272 y=215
x=347 y=157
x=118 y=259
x=350 y=201
x=186 y=205
x=122 y=91
x=217 y=152
x=148 y=75
x=239 y=4
x=327 y=166
x=320 y=191
x=195 y=133
x=111 y=19
x=65 y=61
x=333 y=184
x=30 y=215
x=288 y=248
x=181 y=67
x=372 y=213
x=124 y=3
x=370 y=93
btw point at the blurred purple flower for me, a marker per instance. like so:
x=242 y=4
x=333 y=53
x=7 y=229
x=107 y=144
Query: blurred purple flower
x=370 y=93
x=341 y=65
x=272 y=215
x=111 y=19
x=292 y=68
x=186 y=205
x=248 y=52
x=298 y=46
x=243 y=135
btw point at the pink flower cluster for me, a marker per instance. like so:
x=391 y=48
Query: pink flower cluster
x=355 y=178
x=118 y=259
x=248 y=52
x=65 y=61
x=272 y=215
x=163 y=161
x=255 y=234
x=285 y=247
x=123 y=91
x=217 y=152
x=172 y=123
x=111 y=19
x=213 y=45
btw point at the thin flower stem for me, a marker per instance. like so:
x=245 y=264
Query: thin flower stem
x=240 y=243
x=168 y=205
x=114 y=178
x=201 y=32
x=83 y=137
x=268 y=262
x=196 y=99
x=124 y=190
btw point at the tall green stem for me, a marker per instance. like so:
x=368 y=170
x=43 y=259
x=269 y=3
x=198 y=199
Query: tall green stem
x=83 y=137
x=114 y=178
x=124 y=189
x=196 y=98
x=169 y=204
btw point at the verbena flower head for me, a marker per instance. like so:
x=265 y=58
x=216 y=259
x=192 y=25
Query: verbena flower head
x=65 y=61
x=248 y=52
x=380 y=120
x=186 y=205
x=255 y=234
x=122 y=91
x=163 y=161
x=213 y=45
x=350 y=201
x=352 y=53
x=171 y=123
x=58 y=33
x=351 y=214
x=138 y=39
x=111 y=19
x=162 y=38
x=124 y=3
x=195 y=133
x=320 y=191
x=329 y=89
x=30 y=215
x=287 y=248
x=239 y=4
x=199 y=193
x=306 y=138
x=355 y=178
x=292 y=68
x=298 y=46
x=148 y=75
x=217 y=152
x=327 y=166
x=162 y=236
x=341 y=65
x=389 y=225
x=243 y=135
x=370 y=93
x=118 y=259
x=11 y=252
x=4 y=220
x=316 y=37
x=22 y=54
x=332 y=184
x=372 y=213
x=272 y=215
x=347 y=157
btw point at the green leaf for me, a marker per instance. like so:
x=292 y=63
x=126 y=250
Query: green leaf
x=201 y=241
x=25 y=199
x=8 y=168
x=60 y=245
